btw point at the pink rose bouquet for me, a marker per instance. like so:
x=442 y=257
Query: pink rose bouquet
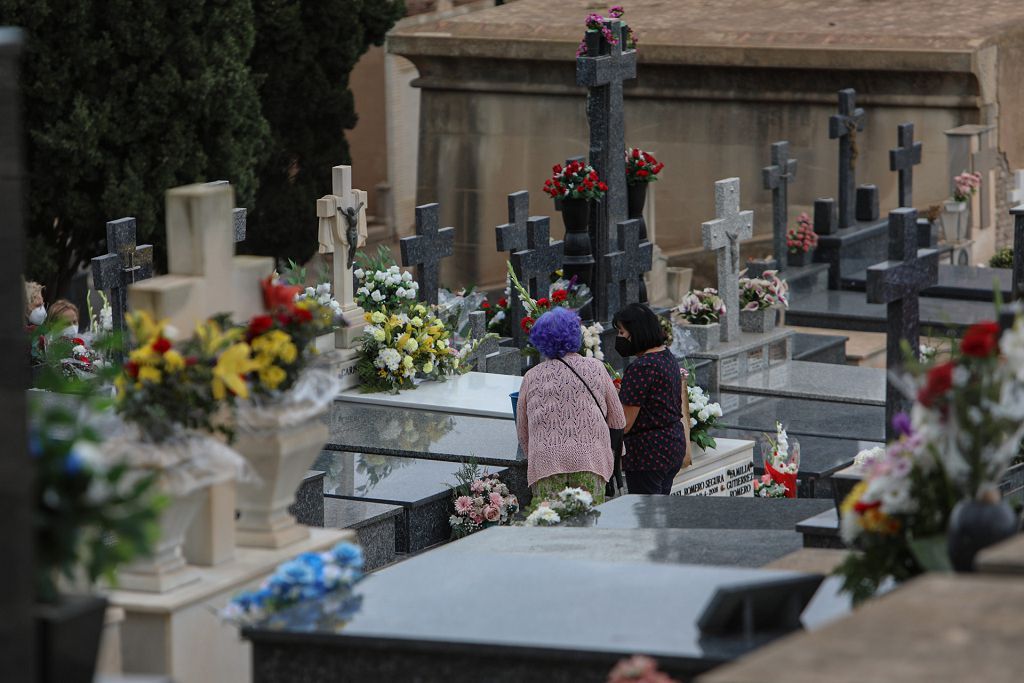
x=480 y=501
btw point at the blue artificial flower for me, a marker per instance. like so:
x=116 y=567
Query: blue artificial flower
x=348 y=554
x=35 y=444
x=296 y=572
x=312 y=560
x=73 y=464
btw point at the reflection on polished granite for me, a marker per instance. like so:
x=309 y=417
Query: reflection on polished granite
x=956 y=282
x=383 y=430
x=707 y=512
x=823 y=382
x=819 y=455
x=841 y=310
x=385 y=479
x=803 y=417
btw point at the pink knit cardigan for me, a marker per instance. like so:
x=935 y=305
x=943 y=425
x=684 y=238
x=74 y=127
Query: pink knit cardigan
x=560 y=426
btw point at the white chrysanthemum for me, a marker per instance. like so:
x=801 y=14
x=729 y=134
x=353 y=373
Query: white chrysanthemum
x=359 y=273
x=380 y=276
x=400 y=292
x=411 y=345
x=869 y=456
x=388 y=358
x=377 y=296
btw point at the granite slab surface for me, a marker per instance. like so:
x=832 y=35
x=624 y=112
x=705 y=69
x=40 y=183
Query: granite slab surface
x=822 y=382
x=375 y=525
x=820 y=348
x=407 y=620
x=308 y=507
x=745 y=341
x=1003 y=558
x=822 y=530
x=475 y=393
x=706 y=512
x=842 y=310
x=801 y=417
x=973 y=283
x=718 y=547
x=427 y=434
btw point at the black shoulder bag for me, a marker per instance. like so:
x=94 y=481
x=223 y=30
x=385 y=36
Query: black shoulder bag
x=615 y=484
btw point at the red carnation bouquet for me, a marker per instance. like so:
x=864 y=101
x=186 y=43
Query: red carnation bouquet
x=641 y=167
x=576 y=180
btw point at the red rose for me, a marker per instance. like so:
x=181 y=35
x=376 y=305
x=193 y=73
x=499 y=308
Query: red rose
x=261 y=324
x=559 y=295
x=981 y=340
x=191 y=360
x=161 y=345
x=939 y=381
x=602 y=187
x=636 y=153
x=641 y=163
x=543 y=301
x=503 y=302
x=557 y=168
x=485 y=304
x=78 y=341
x=526 y=323
x=642 y=173
x=303 y=315
x=132 y=369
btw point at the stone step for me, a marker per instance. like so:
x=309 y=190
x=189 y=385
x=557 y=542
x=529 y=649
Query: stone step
x=806 y=279
x=374 y=524
x=820 y=348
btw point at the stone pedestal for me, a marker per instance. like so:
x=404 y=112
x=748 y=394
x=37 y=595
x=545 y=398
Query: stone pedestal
x=749 y=353
x=166 y=569
x=726 y=470
x=210 y=539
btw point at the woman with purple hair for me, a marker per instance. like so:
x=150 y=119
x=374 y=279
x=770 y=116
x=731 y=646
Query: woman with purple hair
x=566 y=405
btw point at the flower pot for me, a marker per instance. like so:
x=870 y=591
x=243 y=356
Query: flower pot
x=166 y=569
x=976 y=525
x=68 y=638
x=758 y=322
x=514 y=396
x=706 y=336
x=955 y=220
x=800 y=258
x=636 y=197
x=579 y=257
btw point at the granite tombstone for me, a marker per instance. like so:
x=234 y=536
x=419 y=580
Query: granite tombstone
x=426 y=248
x=541 y=257
x=902 y=159
x=723 y=235
x=125 y=264
x=512 y=237
x=627 y=265
x=777 y=178
x=845 y=125
x=1018 y=251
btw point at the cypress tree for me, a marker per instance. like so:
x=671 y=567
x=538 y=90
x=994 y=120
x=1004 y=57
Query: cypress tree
x=124 y=99
x=305 y=50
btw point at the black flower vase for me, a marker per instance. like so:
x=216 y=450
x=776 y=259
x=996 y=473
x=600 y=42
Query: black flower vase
x=636 y=198
x=977 y=524
x=579 y=259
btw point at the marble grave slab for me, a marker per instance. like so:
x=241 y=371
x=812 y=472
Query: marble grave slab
x=817 y=381
x=475 y=393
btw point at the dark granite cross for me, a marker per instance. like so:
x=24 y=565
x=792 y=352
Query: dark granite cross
x=903 y=159
x=425 y=250
x=776 y=178
x=626 y=267
x=898 y=283
x=602 y=71
x=511 y=237
x=723 y=235
x=1018 y=252
x=486 y=348
x=534 y=265
x=126 y=264
x=844 y=126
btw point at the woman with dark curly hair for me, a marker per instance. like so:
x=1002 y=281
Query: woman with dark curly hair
x=566 y=405
x=651 y=394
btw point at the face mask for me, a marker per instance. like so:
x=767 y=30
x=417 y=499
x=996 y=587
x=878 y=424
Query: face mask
x=624 y=347
x=70 y=331
x=38 y=315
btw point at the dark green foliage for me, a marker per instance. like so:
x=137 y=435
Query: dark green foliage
x=304 y=53
x=1002 y=258
x=124 y=100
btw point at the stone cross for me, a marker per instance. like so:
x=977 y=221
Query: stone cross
x=626 y=267
x=426 y=249
x=1018 y=251
x=903 y=159
x=602 y=71
x=239 y=215
x=986 y=161
x=845 y=126
x=723 y=235
x=204 y=276
x=511 y=237
x=342 y=230
x=898 y=283
x=777 y=178
x=126 y=264
x=534 y=265
x=485 y=349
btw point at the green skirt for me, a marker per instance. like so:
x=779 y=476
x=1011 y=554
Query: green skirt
x=550 y=487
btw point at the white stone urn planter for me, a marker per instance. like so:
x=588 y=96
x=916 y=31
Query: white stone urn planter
x=280 y=440
x=166 y=569
x=758 y=322
x=955 y=220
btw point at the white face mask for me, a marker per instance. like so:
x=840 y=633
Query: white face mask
x=70 y=331
x=38 y=315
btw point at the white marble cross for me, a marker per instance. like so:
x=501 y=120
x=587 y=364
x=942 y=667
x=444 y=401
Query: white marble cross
x=723 y=235
x=204 y=275
x=342 y=230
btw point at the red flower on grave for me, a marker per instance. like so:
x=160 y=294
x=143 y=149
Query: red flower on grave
x=939 y=380
x=861 y=507
x=303 y=315
x=503 y=302
x=981 y=340
x=543 y=301
x=485 y=304
x=260 y=324
x=636 y=153
x=557 y=168
x=602 y=187
x=278 y=296
x=131 y=368
x=78 y=341
x=559 y=295
x=161 y=345
x=526 y=323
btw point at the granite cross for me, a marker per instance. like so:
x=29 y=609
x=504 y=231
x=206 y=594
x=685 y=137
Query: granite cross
x=488 y=347
x=602 y=70
x=1018 y=251
x=626 y=267
x=723 y=235
x=985 y=161
x=903 y=159
x=898 y=283
x=844 y=126
x=124 y=265
x=426 y=248
x=776 y=178
x=542 y=257
x=511 y=237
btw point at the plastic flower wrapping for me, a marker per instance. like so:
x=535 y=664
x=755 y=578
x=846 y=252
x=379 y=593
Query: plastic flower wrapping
x=759 y=293
x=961 y=435
x=325 y=578
x=481 y=501
x=570 y=503
x=766 y=487
x=701 y=306
x=781 y=458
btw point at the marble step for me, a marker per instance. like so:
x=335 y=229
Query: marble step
x=820 y=348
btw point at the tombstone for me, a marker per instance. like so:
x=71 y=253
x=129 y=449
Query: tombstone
x=486 y=348
x=426 y=248
x=898 y=283
x=626 y=267
x=511 y=237
x=124 y=265
x=845 y=125
x=723 y=234
x=824 y=216
x=1018 y=251
x=541 y=257
x=986 y=161
x=602 y=71
x=962 y=143
x=867 y=203
x=18 y=627
x=777 y=178
x=342 y=230
x=902 y=159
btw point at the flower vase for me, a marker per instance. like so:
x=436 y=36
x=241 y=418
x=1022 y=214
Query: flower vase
x=977 y=524
x=759 y=321
x=955 y=218
x=636 y=197
x=67 y=638
x=166 y=569
x=706 y=336
x=579 y=257
x=800 y=258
